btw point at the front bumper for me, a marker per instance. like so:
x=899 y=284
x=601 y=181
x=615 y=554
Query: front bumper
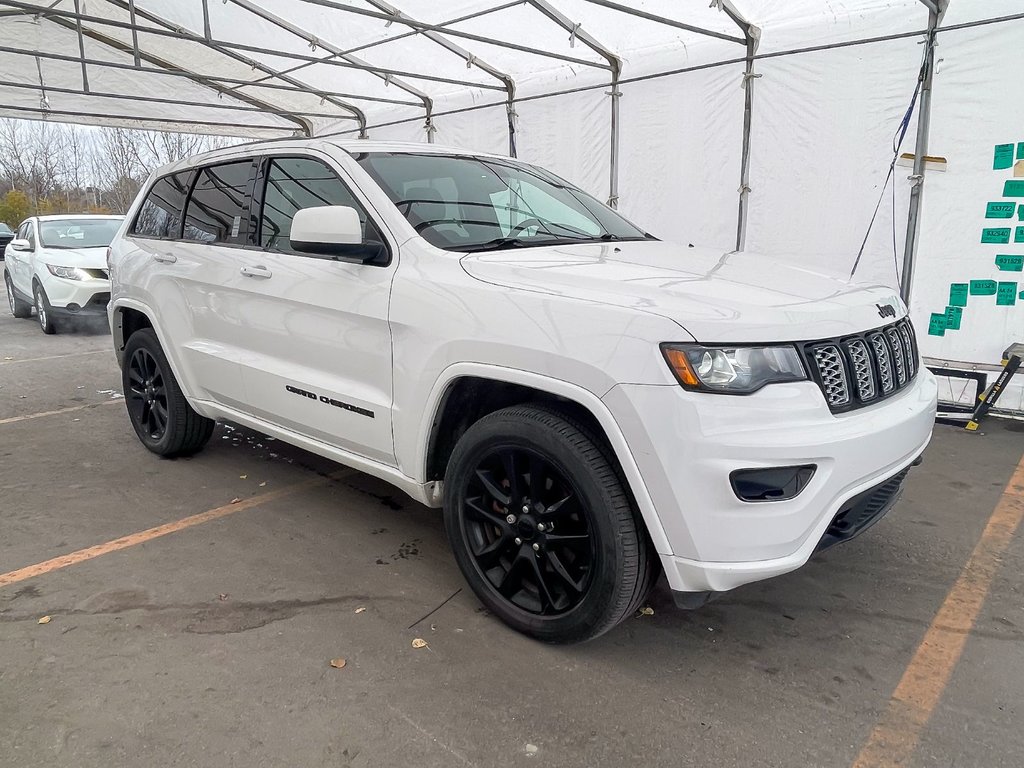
x=686 y=444
x=76 y=298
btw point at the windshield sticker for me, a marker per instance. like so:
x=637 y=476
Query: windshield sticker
x=1018 y=235
x=1007 y=295
x=1010 y=263
x=937 y=325
x=958 y=294
x=999 y=210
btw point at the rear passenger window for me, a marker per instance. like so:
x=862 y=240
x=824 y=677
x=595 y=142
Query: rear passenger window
x=294 y=183
x=160 y=214
x=218 y=207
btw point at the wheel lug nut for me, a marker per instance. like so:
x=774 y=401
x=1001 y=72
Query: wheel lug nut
x=518 y=540
x=526 y=508
x=536 y=547
x=510 y=519
x=541 y=527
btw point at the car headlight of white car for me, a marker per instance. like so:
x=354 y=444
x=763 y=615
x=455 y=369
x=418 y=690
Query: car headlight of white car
x=733 y=370
x=68 y=273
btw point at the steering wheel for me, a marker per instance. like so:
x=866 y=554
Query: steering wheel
x=523 y=225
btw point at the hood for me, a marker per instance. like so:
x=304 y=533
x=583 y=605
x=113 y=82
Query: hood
x=87 y=258
x=715 y=296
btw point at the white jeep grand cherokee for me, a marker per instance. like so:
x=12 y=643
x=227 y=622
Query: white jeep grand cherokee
x=588 y=404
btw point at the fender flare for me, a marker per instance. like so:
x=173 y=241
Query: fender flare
x=569 y=391
x=169 y=351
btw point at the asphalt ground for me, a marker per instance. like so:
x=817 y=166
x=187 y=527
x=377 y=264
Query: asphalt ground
x=208 y=641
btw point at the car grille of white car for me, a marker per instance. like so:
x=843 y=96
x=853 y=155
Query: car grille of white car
x=855 y=371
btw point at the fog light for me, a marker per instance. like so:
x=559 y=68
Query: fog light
x=771 y=483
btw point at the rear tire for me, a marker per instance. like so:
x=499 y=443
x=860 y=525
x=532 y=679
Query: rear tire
x=543 y=528
x=161 y=416
x=43 y=313
x=20 y=309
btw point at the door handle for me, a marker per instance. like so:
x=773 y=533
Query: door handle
x=256 y=271
x=165 y=258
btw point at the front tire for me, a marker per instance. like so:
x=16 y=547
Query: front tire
x=542 y=527
x=20 y=309
x=161 y=416
x=43 y=313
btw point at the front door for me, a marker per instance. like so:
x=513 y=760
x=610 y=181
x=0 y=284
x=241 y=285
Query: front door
x=319 y=362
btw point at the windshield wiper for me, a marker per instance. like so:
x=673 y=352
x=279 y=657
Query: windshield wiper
x=506 y=243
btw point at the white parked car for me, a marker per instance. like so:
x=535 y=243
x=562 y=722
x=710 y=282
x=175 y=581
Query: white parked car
x=589 y=405
x=58 y=265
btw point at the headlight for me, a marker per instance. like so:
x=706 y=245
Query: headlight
x=734 y=370
x=68 y=273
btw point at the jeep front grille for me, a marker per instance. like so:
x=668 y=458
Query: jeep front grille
x=858 y=370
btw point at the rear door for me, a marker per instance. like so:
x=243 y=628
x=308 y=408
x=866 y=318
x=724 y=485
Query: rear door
x=191 y=229
x=320 y=356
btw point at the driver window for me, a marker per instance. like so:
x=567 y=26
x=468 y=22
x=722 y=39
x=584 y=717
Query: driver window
x=294 y=183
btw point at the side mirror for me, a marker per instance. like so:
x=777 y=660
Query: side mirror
x=334 y=231
x=20 y=244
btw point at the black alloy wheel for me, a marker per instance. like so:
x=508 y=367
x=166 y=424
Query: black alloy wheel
x=528 y=531
x=147 y=395
x=157 y=408
x=543 y=527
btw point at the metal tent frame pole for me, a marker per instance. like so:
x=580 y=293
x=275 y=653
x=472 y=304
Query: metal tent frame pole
x=924 y=116
x=751 y=39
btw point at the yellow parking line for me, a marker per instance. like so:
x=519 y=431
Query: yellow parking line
x=72 y=409
x=895 y=737
x=81 y=555
x=58 y=357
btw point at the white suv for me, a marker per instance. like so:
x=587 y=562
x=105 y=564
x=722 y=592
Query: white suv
x=588 y=404
x=58 y=264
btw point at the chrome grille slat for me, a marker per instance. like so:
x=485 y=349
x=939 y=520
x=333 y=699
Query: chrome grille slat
x=898 y=356
x=863 y=373
x=861 y=369
x=832 y=370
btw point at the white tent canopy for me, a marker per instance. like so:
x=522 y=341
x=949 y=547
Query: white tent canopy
x=764 y=124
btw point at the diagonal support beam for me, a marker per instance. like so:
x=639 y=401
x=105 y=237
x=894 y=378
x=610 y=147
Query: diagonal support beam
x=664 y=20
x=303 y=123
x=309 y=37
x=471 y=60
x=576 y=32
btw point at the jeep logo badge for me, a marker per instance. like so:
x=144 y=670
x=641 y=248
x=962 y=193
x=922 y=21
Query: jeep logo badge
x=886 y=310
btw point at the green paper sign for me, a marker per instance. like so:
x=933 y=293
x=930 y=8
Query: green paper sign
x=958 y=294
x=999 y=235
x=983 y=287
x=953 y=317
x=1020 y=150
x=1003 y=157
x=937 y=325
x=1018 y=235
x=1007 y=295
x=1000 y=210
x=1013 y=188
x=1020 y=213
x=1008 y=263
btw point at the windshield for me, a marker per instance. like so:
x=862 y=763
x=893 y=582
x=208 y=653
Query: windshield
x=77 y=233
x=464 y=203
x=5 y=230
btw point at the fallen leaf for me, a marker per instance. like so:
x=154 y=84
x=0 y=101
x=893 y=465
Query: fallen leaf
x=263 y=483
x=337 y=663
x=360 y=609
x=647 y=611
x=222 y=596
x=235 y=500
x=45 y=620
x=242 y=477
x=419 y=642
